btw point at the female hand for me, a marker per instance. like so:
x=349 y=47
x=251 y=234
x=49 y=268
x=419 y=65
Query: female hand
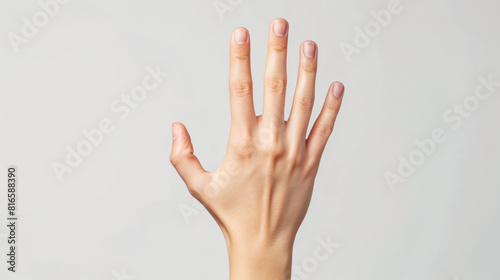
x=260 y=193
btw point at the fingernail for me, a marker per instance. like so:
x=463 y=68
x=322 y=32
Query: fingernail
x=309 y=50
x=279 y=28
x=174 y=131
x=338 y=90
x=241 y=36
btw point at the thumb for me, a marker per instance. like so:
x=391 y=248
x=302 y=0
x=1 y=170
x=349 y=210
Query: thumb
x=182 y=158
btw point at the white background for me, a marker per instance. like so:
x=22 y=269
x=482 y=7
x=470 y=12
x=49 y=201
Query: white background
x=117 y=215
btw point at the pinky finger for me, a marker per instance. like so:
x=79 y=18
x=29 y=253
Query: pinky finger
x=323 y=126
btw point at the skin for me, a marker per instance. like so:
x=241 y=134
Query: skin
x=260 y=193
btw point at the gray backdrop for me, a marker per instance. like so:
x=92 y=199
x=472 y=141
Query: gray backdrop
x=408 y=186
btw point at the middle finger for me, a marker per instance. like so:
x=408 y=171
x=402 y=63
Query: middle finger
x=275 y=75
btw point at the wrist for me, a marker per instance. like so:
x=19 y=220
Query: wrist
x=260 y=260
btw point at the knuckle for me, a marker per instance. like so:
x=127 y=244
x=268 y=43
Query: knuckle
x=241 y=87
x=178 y=163
x=242 y=55
x=278 y=46
x=273 y=150
x=244 y=148
x=179 y=160
x=305 y=102
x=269 y=143
x=324 y=130
x=174 y=160
x=275 y=85
x=309 y=67
x=264 y=138
x=273 y=153
x=333 y=106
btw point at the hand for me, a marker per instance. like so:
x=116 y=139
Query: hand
x=260 y=193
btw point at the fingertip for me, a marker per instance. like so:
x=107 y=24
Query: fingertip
x=175 y=131
x=240 y=35
x=309 y=42
x=181 y=142
x=279 y=26
x=337 y=89
x=241 y=28
x=279 y=20
x=337 y=83
x=310 y=48
x=179 y=131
